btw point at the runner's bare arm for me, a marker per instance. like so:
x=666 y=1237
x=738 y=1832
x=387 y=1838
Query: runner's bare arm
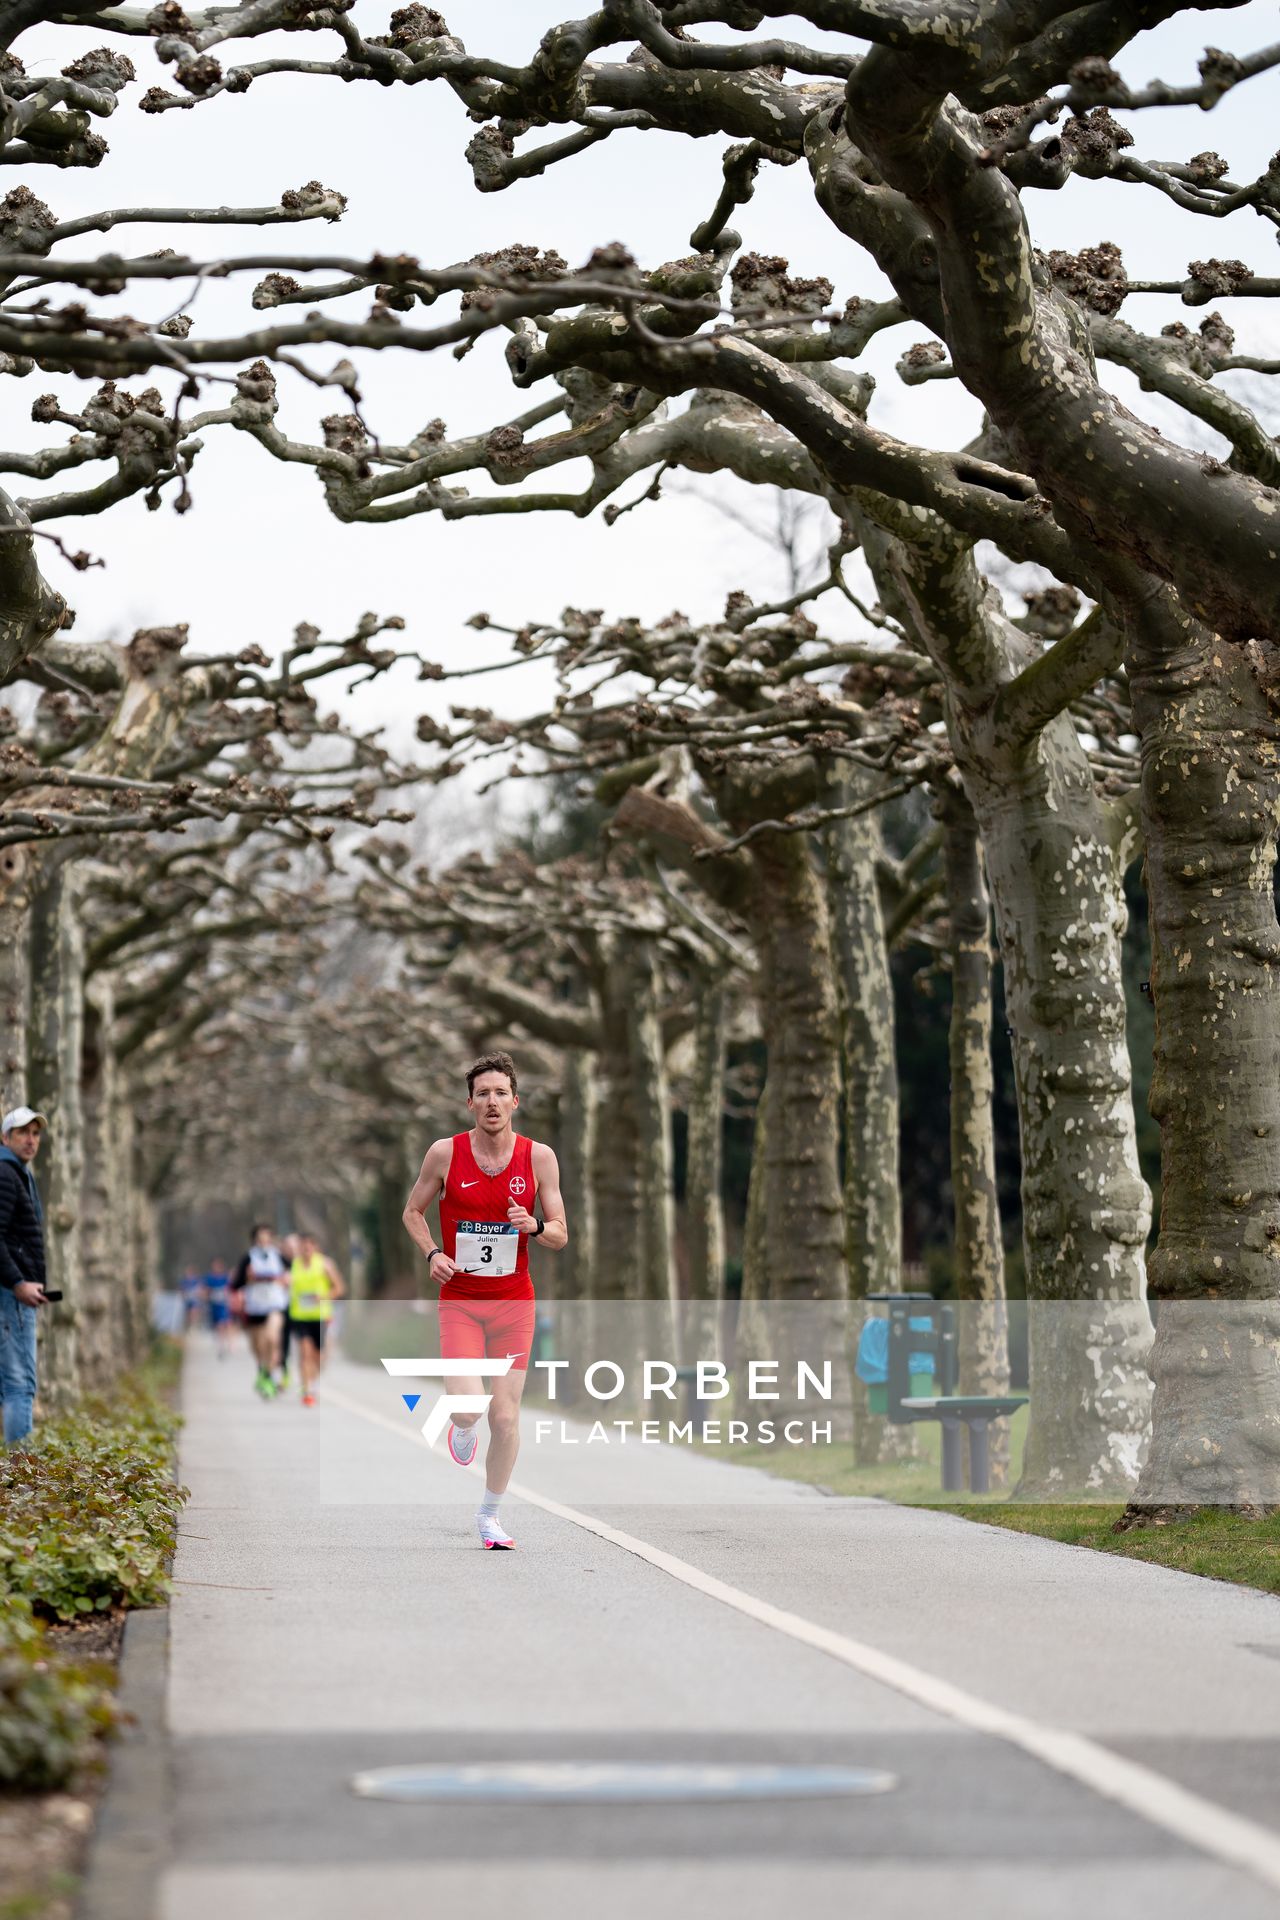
x=427 y=1188
x=546 y=1172
x=337 y=1285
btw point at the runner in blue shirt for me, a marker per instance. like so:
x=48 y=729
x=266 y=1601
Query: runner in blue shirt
x=217 y=1283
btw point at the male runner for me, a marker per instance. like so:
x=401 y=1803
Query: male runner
x=314 y=1284
x=260 y=1276
x=217 y=1284
x=487 y=1182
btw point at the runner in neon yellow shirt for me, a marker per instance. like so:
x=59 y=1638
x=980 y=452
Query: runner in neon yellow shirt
x=314 y=1285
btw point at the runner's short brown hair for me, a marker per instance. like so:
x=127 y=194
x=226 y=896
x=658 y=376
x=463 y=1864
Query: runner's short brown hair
x=491 y=1063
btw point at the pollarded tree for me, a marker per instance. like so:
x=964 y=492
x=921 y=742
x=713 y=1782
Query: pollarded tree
x=922 y=128
x=583 y=964
x=124 y=745
x=780 y=755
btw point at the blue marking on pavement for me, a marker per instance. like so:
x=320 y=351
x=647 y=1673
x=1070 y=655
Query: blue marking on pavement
x=593 y=1781
x=411 y=1400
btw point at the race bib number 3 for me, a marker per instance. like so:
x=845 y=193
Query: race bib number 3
x=487 y=1247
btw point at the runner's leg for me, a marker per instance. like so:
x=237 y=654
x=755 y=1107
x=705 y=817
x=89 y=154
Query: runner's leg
x=272 y=1331
x=257 y=1342
x=508 y=1335
x=504 y=1430
x=462 y=1339
x=308 y=1351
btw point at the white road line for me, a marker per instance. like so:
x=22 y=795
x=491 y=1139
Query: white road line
x=1187 y=1816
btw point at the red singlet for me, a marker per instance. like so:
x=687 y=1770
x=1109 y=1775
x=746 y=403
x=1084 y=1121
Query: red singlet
x=473 y=1209
x=486 y=1310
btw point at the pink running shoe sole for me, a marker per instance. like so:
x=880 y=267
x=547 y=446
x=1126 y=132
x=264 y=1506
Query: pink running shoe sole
x=462 y=1460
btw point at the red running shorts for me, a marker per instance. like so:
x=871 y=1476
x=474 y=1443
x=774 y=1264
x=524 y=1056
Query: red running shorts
x=480 y=1329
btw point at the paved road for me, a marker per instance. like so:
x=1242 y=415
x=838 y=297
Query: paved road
x=334 y=1614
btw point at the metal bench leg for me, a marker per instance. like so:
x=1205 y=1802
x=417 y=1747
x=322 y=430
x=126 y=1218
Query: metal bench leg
x=979 y=1457
x=952 y=1470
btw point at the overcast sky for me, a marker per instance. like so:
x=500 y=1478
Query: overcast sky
x=260 y=551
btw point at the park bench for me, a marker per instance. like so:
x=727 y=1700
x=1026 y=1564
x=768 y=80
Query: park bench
x=923 y=1330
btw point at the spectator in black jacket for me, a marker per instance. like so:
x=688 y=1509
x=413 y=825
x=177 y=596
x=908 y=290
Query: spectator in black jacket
x=21 y=1267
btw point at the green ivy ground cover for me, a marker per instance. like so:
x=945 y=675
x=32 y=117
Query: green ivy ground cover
x=88 y=1523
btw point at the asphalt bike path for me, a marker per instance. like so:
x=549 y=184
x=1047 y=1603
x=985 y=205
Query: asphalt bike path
x=1065 y=1732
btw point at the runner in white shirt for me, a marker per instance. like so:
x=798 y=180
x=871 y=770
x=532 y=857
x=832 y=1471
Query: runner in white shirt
x=262 y=1276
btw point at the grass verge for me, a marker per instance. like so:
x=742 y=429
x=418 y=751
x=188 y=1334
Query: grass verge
x=911 y=1483
x=1219 y=1546
x=1216 y=1545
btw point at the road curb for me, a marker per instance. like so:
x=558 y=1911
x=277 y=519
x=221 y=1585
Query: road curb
x=132 y=1839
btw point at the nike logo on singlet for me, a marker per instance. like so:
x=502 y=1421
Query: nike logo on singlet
x=468 y=1183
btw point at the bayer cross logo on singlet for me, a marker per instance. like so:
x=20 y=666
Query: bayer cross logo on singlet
x=516 y=1185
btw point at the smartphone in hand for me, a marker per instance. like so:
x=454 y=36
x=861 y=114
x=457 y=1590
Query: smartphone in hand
x=54 y=1293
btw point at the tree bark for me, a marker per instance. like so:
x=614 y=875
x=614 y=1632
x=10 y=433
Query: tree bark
x=653 y=1121
x=144 y=1247
x=704 y=1201
x=56 y=1064
x=978 y=1260
x=775 y=889
x=1210 y=805
x=574 y=1269
x=804 y=1210
x=402 y=1269
x=17 y=875
x=1055 y=879
x=755 y=1269
x=1086 y=1209
x=872 y=1183
x=617 y=1199
x=701 y=1318
x=103 y=1326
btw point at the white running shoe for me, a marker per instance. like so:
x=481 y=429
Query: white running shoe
x=492 y=1533
x=463 y=1442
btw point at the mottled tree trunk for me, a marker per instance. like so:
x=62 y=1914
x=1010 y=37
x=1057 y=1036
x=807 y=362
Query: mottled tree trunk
x=1060 y=909
x=102 y=1328
x=777 y=892
x=56 y=1058
x=572 y=1277
x=978 y=1259
x=872 y=1184
x=653 y=1123
x=805 y=1315
x=704 y=1201
x=1210 y=805
x=144 y=1264
x=804 y=1207
x=403 y=1271
x=358 y=1269
x=571 y=1274
x=1055 y=880
x=755 y=1270
x=701 y=1316
x=615 y=1175
x=16 y=874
